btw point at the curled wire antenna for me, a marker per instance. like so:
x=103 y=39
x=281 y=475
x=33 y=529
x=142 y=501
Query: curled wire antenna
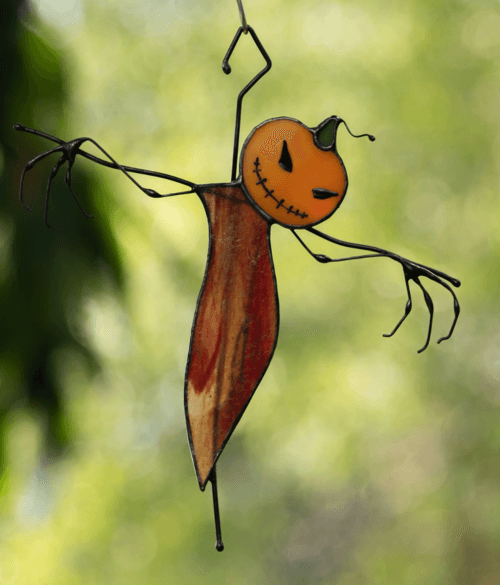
x=370 y=136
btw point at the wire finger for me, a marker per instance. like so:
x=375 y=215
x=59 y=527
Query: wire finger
x=430 y=306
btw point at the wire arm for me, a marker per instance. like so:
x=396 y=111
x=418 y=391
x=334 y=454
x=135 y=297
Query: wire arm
x=227 y=70
x=69 y=151
x=326 y=259
x=412 y=271
x=105 y=163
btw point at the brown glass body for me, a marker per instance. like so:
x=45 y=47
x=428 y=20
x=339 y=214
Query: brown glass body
x=235 y=327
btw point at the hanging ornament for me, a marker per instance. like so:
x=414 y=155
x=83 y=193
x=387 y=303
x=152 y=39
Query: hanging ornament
x=290 y=175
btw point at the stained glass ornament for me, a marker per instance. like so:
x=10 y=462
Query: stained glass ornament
x=290 y=175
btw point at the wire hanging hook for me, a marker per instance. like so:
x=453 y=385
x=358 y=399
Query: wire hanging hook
x=227 y=70
x=244 y=23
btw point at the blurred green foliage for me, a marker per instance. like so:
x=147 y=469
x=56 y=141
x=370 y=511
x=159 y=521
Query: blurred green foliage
x=358 y=461
x=43 y=273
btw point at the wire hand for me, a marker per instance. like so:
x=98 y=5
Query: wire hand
x=69 y=151
x=413 y=271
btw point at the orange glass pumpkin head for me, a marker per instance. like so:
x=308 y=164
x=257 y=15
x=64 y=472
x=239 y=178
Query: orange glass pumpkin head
x=291 y=173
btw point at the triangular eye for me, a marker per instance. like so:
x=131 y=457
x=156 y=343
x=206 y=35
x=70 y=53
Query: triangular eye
x=285 y=160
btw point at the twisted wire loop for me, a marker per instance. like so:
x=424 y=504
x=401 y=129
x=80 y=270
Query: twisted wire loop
x=244 y=23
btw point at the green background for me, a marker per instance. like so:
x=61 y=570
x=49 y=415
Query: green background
x=358 y=460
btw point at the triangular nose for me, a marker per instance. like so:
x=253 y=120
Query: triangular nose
x=285 y=161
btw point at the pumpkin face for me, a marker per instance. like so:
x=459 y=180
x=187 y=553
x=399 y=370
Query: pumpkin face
x=291 y=173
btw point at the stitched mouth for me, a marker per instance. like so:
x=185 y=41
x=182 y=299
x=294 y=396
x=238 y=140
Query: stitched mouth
x=270 y=193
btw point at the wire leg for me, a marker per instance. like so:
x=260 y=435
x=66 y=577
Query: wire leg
x=219 y=545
